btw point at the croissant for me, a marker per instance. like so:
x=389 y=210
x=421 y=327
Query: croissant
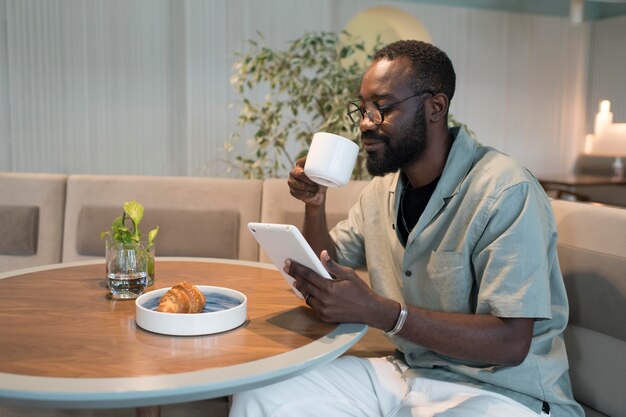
x=182 y=298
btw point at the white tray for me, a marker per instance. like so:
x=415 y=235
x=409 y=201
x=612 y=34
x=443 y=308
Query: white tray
x=224 y=310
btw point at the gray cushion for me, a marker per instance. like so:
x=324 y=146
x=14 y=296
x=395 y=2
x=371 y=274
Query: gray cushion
x=596 y=334
x=596 y=290
x=590 y=412
x=19 y=230
x=199 y=233
x=597 y=370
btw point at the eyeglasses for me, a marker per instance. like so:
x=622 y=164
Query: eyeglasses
x=376 y=113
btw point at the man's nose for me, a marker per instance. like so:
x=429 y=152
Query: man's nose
x=367 y=124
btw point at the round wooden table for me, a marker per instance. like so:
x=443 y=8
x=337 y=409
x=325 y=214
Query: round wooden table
x=65 y=344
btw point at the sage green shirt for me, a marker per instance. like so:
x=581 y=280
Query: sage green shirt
x=485 y=244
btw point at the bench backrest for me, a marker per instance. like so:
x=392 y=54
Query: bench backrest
x=592 y=255
x=203 y=217
x=31 y=219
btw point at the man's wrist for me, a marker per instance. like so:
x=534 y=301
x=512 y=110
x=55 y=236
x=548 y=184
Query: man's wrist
x=314 y=210
x=383 y=313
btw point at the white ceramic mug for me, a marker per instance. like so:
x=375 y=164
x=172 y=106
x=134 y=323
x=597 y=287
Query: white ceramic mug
x=331 y=159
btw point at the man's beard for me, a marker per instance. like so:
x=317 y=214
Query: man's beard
x=399 y=153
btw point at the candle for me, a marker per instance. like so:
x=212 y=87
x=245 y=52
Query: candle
x=604 y=119
x=605 y=106
x=588 y=144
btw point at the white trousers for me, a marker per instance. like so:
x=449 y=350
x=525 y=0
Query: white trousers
x=359 y=387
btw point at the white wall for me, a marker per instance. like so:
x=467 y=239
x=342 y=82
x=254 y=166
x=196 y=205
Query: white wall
x=142 y=86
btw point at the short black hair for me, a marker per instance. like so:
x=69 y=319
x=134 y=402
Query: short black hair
x=431 y=67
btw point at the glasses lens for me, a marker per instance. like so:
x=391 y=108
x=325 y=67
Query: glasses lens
x=354 y=113
x=373 y=113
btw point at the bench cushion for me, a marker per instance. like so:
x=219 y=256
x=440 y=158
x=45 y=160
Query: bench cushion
x=19 y=230
x=592 y=256
x=205 y=210
x=201 y=233
x=32 y=216
x=596 y=334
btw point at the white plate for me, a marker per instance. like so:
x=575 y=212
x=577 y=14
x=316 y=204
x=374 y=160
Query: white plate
x=225 y=309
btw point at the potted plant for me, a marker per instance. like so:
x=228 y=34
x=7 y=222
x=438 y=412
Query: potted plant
x=129 y=261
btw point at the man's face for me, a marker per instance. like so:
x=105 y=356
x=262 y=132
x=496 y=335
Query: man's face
x=401 y=138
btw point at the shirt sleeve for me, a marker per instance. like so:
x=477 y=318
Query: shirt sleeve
x=511 y=258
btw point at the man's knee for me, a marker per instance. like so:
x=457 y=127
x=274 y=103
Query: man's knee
x=246 y=403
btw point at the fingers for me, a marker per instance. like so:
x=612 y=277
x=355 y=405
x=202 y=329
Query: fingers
x=301 y=273
x=301 y=186
x=343 y=299
x=297 y=173
x=334 y=269
x=330 y=265
x=307 y=281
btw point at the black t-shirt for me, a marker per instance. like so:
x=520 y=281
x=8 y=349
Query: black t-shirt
x=412 y=204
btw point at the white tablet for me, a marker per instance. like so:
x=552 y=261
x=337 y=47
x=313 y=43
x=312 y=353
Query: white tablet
x=284 y=241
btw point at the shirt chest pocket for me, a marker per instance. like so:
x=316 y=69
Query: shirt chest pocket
x=449 y=284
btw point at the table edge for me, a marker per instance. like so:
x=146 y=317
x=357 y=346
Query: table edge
x=54 y=392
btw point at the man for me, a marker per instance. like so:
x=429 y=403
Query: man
x=460 y=245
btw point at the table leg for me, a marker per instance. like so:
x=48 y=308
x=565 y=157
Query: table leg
x=154 y=411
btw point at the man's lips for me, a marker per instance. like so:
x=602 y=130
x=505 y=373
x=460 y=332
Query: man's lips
x=372 y=144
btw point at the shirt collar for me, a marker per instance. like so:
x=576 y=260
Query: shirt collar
x=456 y=168
x=459 y=163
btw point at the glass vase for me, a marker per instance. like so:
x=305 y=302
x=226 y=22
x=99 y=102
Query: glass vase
x=150 y=253
x=127 y=269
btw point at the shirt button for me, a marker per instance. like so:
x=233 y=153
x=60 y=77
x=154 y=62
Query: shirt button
x=412 y=356
x=407 y=273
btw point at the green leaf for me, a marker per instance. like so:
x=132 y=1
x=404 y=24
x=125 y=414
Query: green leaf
x=118 y=222
x=151 y=235
x=119 y=232
x=134 y=210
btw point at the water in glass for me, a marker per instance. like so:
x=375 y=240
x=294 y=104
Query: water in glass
x=127 y=272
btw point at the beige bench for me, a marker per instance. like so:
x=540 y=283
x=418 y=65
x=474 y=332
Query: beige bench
x=31 y=219
x=592 y=256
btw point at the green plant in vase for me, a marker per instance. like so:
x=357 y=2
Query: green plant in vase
x=121 y=238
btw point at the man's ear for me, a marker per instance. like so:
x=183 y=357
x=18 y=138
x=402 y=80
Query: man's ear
x=438 y=107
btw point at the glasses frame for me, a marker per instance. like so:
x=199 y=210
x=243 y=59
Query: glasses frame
x=381 y=109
